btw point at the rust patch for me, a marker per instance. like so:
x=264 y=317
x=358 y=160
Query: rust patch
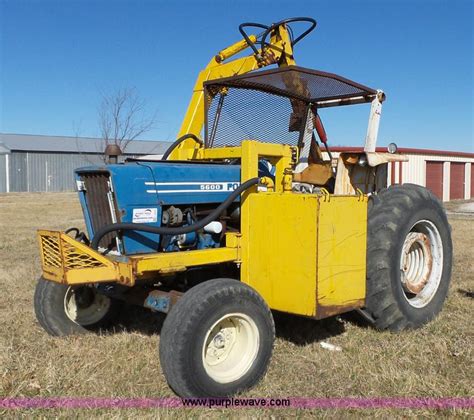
x=416 y=273
x=139 y=296
x=172 y=270
x=45 y=271
x=351 y=158
x=51 y=276
x=323 y=311
x=174 y=295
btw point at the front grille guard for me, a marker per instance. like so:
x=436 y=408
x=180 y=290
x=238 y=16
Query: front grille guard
x=65 y=260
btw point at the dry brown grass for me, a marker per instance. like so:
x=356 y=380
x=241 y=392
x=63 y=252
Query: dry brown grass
x=434 y=361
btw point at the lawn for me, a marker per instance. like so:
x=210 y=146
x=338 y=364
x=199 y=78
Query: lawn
x=435 y=361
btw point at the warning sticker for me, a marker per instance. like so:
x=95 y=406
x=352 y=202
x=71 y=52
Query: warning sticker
x=145 y=215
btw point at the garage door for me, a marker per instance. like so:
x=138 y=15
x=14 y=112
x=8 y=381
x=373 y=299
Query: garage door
x=456 y=184
x=434 y=178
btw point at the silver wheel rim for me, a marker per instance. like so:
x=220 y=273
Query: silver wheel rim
x=421 y=263
x=230 y=347
x=85 y=310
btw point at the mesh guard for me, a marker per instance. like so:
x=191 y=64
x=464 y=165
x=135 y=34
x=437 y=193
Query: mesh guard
x=272 y=106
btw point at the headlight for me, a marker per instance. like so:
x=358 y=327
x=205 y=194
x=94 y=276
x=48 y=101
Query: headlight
x=362 y=160
x=392 y=148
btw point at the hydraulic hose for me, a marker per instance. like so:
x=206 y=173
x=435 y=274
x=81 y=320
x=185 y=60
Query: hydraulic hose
x=174 y=230
x=177 y=142
x=79 y=236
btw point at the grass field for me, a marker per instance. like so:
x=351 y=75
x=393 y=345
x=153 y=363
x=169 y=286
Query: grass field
x=435 y=361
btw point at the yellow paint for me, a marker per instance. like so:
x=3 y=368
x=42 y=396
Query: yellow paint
x=233 y=240
x=268 y=183
x=342 y=243
x=91 y=275
x=65 y=260
x=68 y=261
x=176 y=260
x=235 y=48
x=303 y=253
x=280 y=261
x=281 y=53
x=73 y=262
x=219 y=153
x=273 y=152
x=280 y=155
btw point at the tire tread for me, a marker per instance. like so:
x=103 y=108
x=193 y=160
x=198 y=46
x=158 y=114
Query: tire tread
x=387 y=214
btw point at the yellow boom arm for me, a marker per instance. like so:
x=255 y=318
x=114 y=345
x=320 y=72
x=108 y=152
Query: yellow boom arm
x=279 y=51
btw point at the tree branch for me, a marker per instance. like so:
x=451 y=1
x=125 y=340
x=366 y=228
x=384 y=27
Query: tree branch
x=122 y=117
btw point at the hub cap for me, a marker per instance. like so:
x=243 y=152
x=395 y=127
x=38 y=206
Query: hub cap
x=421 y=263
x=230 y=347
x=84 y=306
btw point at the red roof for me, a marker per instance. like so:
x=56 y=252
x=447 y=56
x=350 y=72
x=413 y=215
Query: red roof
x=406 y=150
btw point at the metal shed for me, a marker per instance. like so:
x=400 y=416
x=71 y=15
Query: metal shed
x=32 y=163
x=4 y=155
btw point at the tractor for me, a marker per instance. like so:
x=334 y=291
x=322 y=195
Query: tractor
x=246 y=214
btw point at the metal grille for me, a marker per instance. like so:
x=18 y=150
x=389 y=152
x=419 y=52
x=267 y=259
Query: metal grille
x=59 y=253
x=50 y=250
x=75 y=258
x=297 y=82
x=244 y=114
x=97 y=187
x=272 y=105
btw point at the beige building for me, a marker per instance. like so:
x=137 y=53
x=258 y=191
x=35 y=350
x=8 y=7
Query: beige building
x=450 y=175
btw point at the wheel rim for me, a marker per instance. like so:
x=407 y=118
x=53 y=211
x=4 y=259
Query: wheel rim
x=84 y=306
x=421 y=263
x=230 y=347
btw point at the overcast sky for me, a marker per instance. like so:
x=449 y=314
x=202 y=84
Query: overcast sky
x=56 y=57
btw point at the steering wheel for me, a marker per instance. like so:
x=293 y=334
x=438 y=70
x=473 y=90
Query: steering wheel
x=268 y=29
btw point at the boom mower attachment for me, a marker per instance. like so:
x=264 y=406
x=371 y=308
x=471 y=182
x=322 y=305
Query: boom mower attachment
x=245 y=213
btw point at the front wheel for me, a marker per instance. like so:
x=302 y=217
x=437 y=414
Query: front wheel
x=409 y=257
x=64 y=310
x=217 y=340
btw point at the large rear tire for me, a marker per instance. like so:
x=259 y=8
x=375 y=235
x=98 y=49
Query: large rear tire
x=217 y=340
x=65 y=310
x=409 y=257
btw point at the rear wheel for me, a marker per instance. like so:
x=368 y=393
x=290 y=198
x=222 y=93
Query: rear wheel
x=409 y=257
x=217 y=340
x=63 y=310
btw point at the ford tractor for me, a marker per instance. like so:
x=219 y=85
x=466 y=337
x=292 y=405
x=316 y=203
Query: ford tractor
x=248 y=212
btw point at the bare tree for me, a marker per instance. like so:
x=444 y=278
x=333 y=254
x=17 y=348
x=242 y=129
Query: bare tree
x=123 y=117
x=81 y=143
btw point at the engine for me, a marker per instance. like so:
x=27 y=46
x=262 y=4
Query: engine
x=159 y=194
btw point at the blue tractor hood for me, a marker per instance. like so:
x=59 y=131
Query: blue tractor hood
x=136 y=192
